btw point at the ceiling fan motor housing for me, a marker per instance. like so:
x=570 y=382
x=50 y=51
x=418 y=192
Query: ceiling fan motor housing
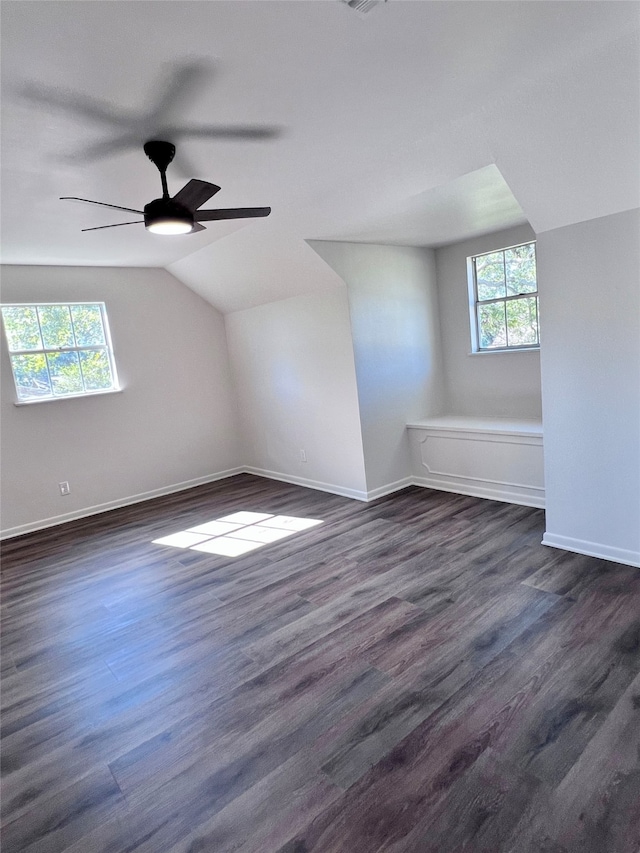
x=166 y=210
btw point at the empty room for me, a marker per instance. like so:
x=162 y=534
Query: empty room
x=320 y=410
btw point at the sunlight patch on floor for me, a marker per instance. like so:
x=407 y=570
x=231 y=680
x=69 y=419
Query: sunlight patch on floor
x=238 y=533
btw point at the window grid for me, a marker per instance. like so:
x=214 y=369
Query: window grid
x=477 y=302
x=76 y=348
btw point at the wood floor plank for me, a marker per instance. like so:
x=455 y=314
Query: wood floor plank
x=65 y=817
x=268 y=814
x=443 y=672
x=234 y=742
x=479 y=813
x=417 y=674
x=595 y=808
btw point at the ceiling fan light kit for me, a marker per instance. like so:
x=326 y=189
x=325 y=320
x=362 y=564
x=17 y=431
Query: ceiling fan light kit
x=164 y=216
x=180 y=214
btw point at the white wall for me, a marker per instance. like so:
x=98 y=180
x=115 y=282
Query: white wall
x=589 y=279
x=295 y=380
x=485 y=385
x=396 y=344
x=174 y=422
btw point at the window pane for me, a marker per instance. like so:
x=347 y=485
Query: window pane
x=31 y=376
x=522 y=321
x=520 y=264
x=490 y=276
x=55 y=322
x=64 y=369
x=96 y=370
x=493 y=332
x=21 y=326
x=87 y=325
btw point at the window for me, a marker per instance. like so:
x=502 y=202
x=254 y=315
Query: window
x=503 y=299
x=59 y=350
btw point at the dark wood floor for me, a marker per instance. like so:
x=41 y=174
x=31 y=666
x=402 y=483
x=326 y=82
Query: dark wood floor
x=416 y=674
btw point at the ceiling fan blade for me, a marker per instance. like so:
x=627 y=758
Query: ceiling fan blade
x=73 y=102
x=115 y=225
x=105 y=148
x=101 y=203
x=240 y=131
x=231 y=213
x=195 y=193
x=180 y=86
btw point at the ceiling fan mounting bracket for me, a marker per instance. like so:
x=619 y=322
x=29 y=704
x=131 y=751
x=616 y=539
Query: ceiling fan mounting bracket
x=160 y=153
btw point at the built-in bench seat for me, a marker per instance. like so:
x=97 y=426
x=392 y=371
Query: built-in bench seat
x=497 y=458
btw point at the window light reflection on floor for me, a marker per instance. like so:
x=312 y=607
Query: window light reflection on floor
x=238 y=533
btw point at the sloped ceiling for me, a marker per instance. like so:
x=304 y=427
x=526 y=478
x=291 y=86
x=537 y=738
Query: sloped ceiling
x=420 y=123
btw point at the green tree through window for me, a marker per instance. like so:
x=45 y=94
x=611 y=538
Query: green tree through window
x=503 y=292
x=59 y=350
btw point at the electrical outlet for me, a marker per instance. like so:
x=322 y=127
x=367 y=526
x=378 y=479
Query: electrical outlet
x=64 y=488
x=303 y=456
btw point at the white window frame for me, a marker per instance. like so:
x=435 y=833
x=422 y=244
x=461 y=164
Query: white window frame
x=474 y=319
x=106 y=347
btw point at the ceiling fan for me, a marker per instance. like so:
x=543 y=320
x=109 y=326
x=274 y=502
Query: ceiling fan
x=178 y=214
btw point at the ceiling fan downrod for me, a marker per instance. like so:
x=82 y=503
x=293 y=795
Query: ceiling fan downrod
x=165 y=215
x=161 y=154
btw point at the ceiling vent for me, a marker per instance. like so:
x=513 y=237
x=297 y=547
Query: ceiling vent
x=363 y=6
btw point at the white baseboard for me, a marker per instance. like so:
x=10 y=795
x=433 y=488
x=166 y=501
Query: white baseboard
x=117 y=504
x=308 y=484
x=331 y=488
x=565 y=543
x=357 y=495
x=532 y=497
x=592 y=549
x=381 y=491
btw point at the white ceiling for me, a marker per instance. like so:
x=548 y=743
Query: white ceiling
x=420 y=123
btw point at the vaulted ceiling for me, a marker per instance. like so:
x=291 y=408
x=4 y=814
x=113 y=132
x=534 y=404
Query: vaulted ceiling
x=419 y=123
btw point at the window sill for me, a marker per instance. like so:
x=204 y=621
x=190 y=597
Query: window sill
x=67 y=397
x=505 y=350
